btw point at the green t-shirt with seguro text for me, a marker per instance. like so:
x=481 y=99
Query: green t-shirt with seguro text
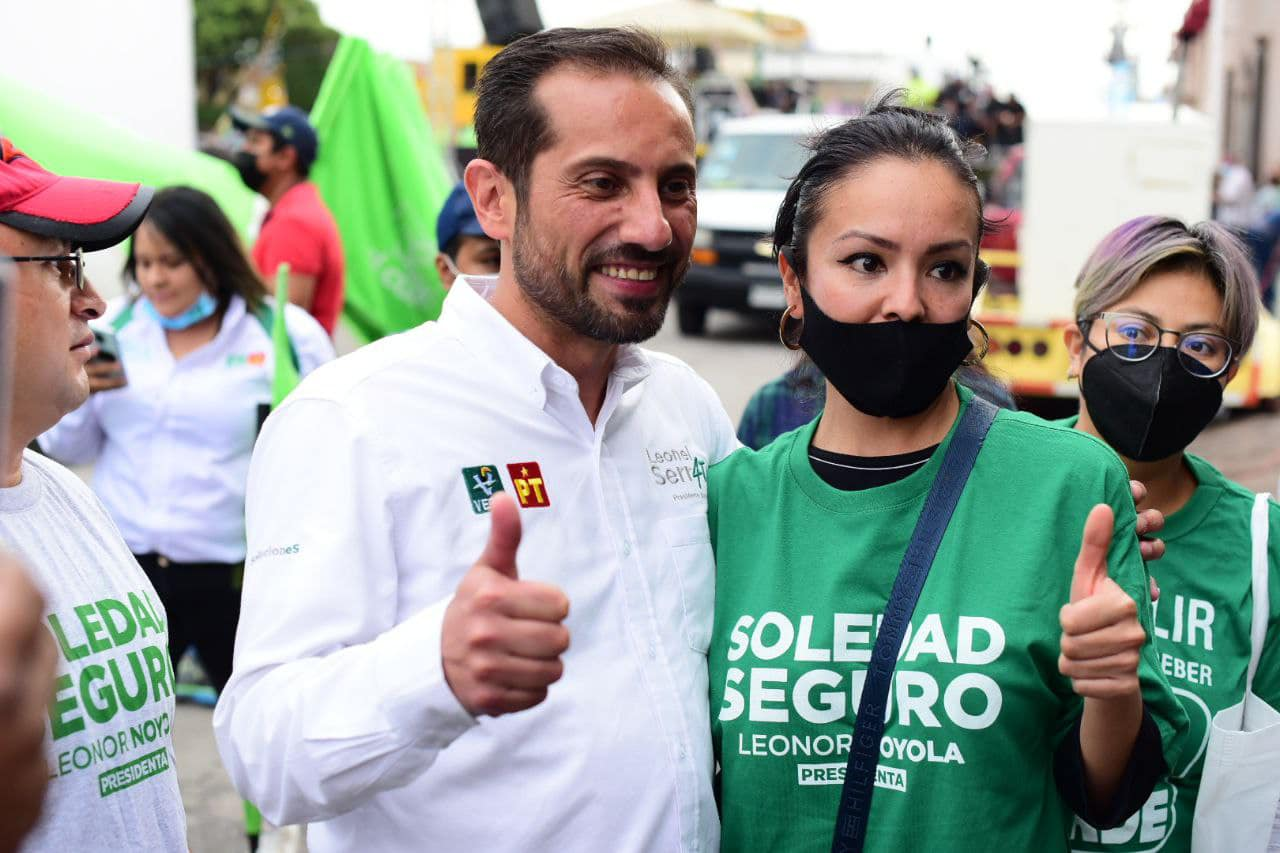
x=977 y=706
x=113 y=784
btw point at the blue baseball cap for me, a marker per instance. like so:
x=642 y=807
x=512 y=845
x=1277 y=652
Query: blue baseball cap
x=287 y=124
x=457 y=218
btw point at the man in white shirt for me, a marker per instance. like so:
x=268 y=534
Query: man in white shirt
x=112 y=782
x=479 y=588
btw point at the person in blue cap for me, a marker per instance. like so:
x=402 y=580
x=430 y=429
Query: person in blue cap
x=279 y=149
x=464 y=247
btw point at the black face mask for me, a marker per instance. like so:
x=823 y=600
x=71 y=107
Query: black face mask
x=1151 y=409
x=887 y=370
x=247 y=165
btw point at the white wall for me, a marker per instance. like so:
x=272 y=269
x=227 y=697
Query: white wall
x=131 y=62
x=1084 y=176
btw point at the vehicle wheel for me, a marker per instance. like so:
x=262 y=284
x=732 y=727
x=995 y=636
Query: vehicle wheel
x=693 y=318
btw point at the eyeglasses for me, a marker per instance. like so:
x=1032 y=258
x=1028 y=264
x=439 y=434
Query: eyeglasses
x=1134 y=338
x=70 y=267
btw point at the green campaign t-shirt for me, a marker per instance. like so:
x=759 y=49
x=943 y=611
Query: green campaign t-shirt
x=1202 y=623
x=977 y=706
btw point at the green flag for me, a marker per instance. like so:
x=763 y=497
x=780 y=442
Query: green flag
x=383 y=176
x=69 y=141
x=286 y=377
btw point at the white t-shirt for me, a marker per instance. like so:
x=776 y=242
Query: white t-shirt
x=113 y=783
x=369 y=500
x=172 y=446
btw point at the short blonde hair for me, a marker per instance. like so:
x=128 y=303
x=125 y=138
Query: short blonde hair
x=1148 y=245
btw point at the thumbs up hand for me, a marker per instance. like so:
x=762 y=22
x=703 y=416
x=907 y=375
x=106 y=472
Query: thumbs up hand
x=1101 y=636
x=502 y=637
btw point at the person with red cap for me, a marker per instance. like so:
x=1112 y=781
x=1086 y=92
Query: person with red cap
x=109 y=748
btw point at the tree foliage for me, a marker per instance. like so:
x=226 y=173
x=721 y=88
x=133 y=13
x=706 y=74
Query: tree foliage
x=229 y=36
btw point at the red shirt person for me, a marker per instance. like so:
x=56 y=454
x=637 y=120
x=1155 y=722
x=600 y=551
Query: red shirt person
x=280 y=147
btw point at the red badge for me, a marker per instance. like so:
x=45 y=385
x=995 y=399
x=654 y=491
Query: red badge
x=530 y=489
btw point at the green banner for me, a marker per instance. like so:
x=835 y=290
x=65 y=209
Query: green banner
x=69 y=141
x=384 y=178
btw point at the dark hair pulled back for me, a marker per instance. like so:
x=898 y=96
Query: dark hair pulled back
x=886 y=130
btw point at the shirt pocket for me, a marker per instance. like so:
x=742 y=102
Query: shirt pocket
x=689 y=540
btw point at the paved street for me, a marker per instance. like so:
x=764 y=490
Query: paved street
x=735 y=357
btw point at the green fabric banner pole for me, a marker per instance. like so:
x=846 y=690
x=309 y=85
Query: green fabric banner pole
x=384 y=177
x=286 y=373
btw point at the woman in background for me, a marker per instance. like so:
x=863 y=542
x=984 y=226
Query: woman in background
x=1165 y=313
x=171 y=422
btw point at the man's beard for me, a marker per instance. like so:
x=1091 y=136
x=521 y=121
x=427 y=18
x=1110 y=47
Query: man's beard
x=565 y=296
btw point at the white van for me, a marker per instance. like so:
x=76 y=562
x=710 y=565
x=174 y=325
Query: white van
x=741 y=182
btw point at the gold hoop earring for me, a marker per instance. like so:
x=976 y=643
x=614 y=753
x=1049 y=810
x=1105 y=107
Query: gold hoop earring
x=986 y=343
x=790 y=340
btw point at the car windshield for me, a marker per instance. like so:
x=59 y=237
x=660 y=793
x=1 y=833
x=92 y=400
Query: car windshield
x=765 y=161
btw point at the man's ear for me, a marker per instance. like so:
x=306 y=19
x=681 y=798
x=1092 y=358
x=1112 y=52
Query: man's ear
x=287 y=157
x=444 y=271
x=493 y=197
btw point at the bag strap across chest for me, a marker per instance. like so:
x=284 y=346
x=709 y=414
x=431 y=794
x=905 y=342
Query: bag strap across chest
x=868 y=729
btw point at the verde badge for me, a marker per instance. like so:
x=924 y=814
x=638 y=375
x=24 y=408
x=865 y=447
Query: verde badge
x=482 y=481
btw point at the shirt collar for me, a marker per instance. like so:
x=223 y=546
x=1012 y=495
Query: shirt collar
x=288 y=199
x=515 y=361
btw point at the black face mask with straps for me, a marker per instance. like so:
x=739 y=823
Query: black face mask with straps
x=1150 y=409
x=246 y=164
x=893 y=369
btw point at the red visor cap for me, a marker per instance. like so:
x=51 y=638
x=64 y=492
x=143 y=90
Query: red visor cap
x=88 y=213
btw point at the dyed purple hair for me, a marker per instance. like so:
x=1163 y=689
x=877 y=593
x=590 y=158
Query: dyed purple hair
x=1149 y=245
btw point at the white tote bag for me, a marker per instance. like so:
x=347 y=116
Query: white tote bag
x=1240 y=788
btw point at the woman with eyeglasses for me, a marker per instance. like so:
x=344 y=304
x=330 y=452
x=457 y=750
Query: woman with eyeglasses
x=1166 y=312
x=172 y=418
x=1021 y=686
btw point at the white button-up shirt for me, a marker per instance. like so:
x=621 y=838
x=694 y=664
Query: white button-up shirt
x=368 y=502
x=172 y=446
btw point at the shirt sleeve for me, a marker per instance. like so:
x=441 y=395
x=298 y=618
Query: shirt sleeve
x=289 y=241
x=310 y=340
x=1142 y=772
x=1266 y=682
x=722 y=440
x=1126 y=568
x=335 y=697
x=76 y=439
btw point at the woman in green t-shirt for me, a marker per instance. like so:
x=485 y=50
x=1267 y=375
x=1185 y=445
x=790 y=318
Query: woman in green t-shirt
x=1165 y=314
x=1025 y=687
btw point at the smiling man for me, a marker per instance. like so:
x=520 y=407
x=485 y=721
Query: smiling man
x=109 y=747
x=478 y=599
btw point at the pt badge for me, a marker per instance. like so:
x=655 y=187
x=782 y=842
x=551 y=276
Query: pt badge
x=530 y=489
x=482 y=482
